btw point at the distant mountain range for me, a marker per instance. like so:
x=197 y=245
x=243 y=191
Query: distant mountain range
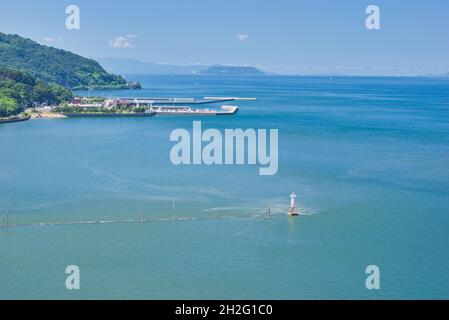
x=130 y=66
x=54 y=66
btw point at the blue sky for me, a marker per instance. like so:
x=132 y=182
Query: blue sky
x=285 y=36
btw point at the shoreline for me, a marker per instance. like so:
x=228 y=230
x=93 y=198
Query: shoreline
x=50 y=115
x=162 y=106
x=47 y=115
x=108 y=115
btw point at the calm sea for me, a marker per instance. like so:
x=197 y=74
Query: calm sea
x=367 y=157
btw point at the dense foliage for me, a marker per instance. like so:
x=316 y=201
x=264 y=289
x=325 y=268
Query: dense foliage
x=7 y=106
x=19 y=90
x=55 y=66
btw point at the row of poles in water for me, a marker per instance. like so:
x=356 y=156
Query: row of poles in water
x=5 y=221
x=267 y=214
x=141 y=218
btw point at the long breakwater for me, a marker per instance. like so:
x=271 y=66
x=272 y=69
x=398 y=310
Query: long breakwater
x=137 y=220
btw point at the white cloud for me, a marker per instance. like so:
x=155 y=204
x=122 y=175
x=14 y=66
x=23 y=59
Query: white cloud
x=121 y=42
x=242 y=37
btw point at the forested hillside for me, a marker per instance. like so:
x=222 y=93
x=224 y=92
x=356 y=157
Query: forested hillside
x=57 y=66
x=19 y=90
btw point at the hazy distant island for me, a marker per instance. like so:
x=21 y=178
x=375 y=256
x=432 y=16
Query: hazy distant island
x=135 y=67
x=231 y=71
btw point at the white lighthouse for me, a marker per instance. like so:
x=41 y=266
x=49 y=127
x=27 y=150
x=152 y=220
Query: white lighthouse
x=292 y=210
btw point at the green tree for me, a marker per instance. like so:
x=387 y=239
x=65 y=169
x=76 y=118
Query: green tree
x=61 y=93
x=8 y=107
x=43 y=94
x=25 y=90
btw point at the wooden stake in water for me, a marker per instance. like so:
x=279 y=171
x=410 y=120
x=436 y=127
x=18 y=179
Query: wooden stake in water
x=140 y=216
x=173 y=210
x=267 y=214
x=5 y=223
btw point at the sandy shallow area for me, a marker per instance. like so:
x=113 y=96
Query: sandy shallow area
x=46 y=115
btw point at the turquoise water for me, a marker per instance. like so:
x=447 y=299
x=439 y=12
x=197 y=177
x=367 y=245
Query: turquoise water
x=367 y=157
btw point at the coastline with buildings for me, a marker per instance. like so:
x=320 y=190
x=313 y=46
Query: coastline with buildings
x=94 y=107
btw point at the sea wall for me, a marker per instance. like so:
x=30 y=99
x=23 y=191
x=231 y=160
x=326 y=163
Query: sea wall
x=108 y=115
x=15 y=119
